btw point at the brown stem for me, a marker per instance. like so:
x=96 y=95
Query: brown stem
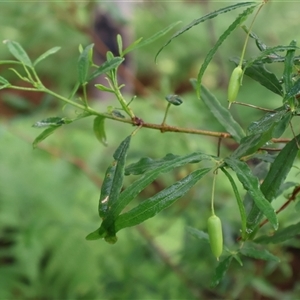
x=291 y=198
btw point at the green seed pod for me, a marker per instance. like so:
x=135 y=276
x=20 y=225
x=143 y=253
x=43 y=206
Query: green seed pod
x=215 y=234
x=234 y=84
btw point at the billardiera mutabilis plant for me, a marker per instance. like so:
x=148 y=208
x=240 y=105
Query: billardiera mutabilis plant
x=253 y=142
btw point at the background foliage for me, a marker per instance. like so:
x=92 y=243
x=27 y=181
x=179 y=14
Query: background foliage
x=48 y=196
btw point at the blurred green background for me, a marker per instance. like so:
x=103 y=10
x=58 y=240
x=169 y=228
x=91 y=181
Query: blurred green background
x=49 y=196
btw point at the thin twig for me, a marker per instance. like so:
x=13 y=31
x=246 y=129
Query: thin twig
x=291 y=198
x=254 y=106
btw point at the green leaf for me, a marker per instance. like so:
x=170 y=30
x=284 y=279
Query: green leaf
x=153 y=169
x=107 y=66
x=238 y=259
x=46 y=54
x=239 y=202
x=269 y=55
x=44 y=135
x=274 y=179
x=52 y=121
x=260 y=253
x=131 y=47
x=117 y=114
x=110 y=192
x=141 y=43
x=295 y=89
x=222 y=114
x=288 y=68
x=251 y=184
x=165 y=164
x=267 y=121
x=282 y=125
x=84 y=64
x=113 y=181
x=260 y=45
x=251 y=143
x=261 y=132
x=259 y=73
x=4 y=83
x=266 y=78
x=220 y=271
x=18 y=52
x=99 y=129
x=240 y=19
x=203 y=19
x=120 y=44
x=281 y=235
x=152 y=206
x=198 y=234
x=104 y=88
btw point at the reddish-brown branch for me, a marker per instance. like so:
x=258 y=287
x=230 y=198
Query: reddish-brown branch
x=291 y=198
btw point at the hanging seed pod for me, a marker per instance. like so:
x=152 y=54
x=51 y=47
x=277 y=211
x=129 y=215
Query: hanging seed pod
x=234 y=84
x=215 y=234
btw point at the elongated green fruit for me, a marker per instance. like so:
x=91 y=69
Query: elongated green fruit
x=234 y=84
x=215 y=234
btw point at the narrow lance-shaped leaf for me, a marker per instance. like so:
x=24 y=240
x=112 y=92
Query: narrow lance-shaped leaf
x=295 y=89
x=203 y=19
x=3 y=83
x=267 y=121
x=113 y=181
x=142 y=43
x=251 y=184
x=151 y=170
x=146 y=164
x=281 y=235
x=18 y=52
x=84 y=64
x=240 y=19
x=220 y=271
x=120 y=44
x=260 y=45
x=274 y=179
x=260 y=132
x=46 y=54
x=3 y=80
x=99 y=129
x=239 y=202
x=44 y=135
x=222 y=114
x=110 y=190
x=198 y=234
x=152 y=206
x=266 y=78
x=288 y=68
x=52 y=121
x=263 y=254
x=107 y=66
x=283 y=124
x=264 y=56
